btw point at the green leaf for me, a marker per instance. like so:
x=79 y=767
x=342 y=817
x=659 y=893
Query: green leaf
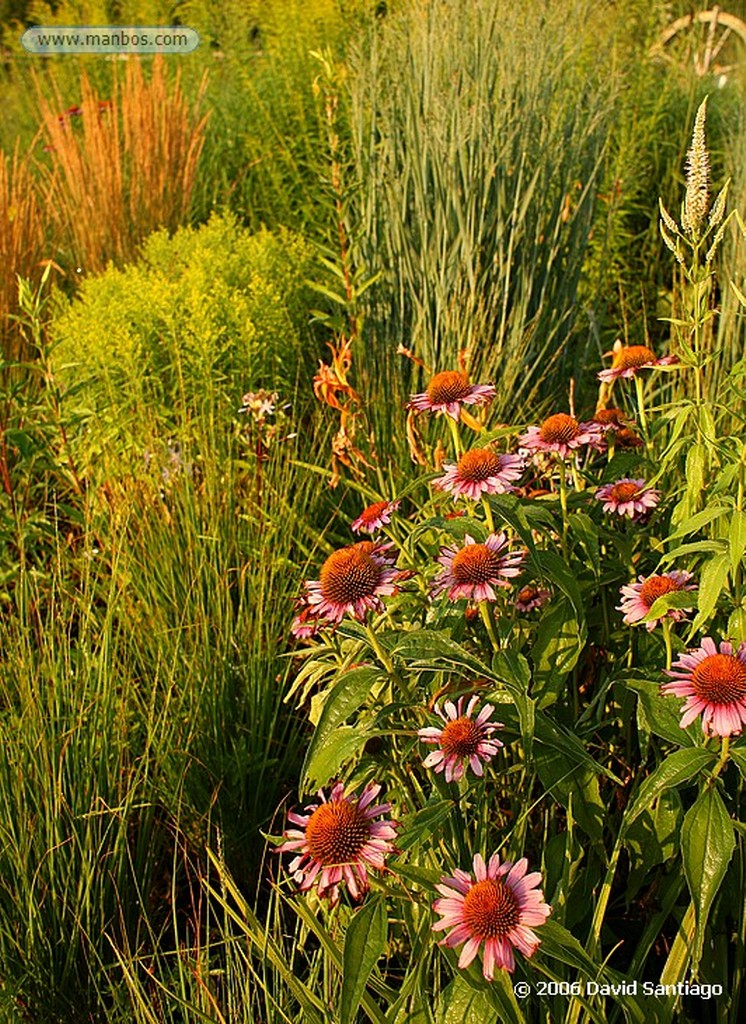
x=653 y=838
x=347 y=696
x=365 y=942
x=696 y=468
x=737 y=624
x=695 y=548
x=567 y=781
x=570 y=774
x=738 y=756
x=341 y=300
x=585 y=530
x=712 y=581
x=424 y=645
x=677 y=769
x=707 y=844
x=659 y=713
x=554 y=569
x=512 y=670
x=674 y=599
x=737 y=537
x=259 y=934
x=558 y=645
x=341 y=745
x=462 y=1002
x=423 y=823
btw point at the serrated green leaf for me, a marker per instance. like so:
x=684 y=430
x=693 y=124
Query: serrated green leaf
x=557 y=647
x=682 y=599
x=346 y=697
x=677 y=769
x=661 y=713
x=695 y=523
x=423 y=823
x=737 y=537
x=695 y=548
x=365 y=942
x=707 y=844
x=712 y=582
x=339 y=747
x=418 y=646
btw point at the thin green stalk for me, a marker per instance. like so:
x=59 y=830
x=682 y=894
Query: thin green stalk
x=640 y=395
x=379 y=651
x=724 y=755
x=563 y=506
x=602 y=902
x=667 y=641
x=488 y=513
x=455 y=435
x=485 y=610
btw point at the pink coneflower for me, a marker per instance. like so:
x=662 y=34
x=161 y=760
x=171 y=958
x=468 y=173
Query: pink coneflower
x=530 y=597
x=638 y=598
x=498 y=907
x=338 y=840
x=714 y=681
x=375 y=516
x=462 y=739
x=475 y=569
x=562 y=434
x=448 y=391
x=481 y=471
x=628 y=497
x=627 y=360
x=351 y=582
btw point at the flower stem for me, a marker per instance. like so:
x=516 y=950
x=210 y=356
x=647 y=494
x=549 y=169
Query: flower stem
x=667 y=640
x=563 y=506
x=724 y=754
x=455 y=435
x=388 y=664
x=640 y=394
x=486 y=612
x=379 y=651
x=488 y=513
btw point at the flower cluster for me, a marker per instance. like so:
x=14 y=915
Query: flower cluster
x=339 y=841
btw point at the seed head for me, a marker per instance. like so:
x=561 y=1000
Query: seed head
x=697 y=176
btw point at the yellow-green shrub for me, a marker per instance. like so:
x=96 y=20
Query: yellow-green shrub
x=201 y=318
